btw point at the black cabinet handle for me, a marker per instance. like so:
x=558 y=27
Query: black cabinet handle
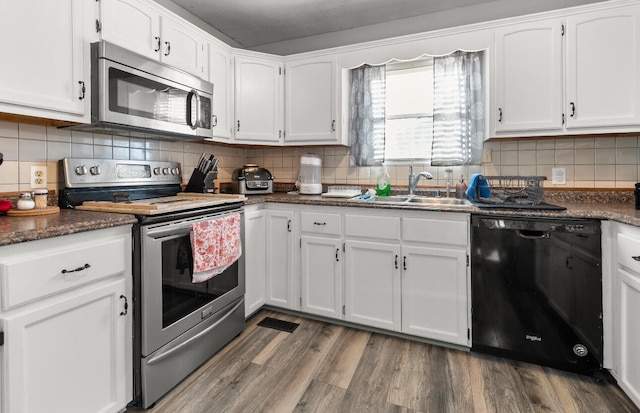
x=404 y=263
x=84 y=267
x=333 y=126
x=573 y=109
x=636 y=257
x=337 y=258
x=168 y=48
x=83 y=90
x=215 y=120
x=126 y=305
x=500 y=115
x=396 y=262
x=157 y=49
x=289 y=225
x=238 y=129
x=319 y=223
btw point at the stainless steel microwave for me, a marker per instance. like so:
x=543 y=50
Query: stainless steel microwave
x=130 y=92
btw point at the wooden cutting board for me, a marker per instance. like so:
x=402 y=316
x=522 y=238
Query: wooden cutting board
x=33 y=212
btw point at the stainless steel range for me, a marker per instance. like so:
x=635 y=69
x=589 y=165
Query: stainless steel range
x=178 y=324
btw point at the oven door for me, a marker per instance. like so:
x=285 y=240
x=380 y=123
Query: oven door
x=171 y=303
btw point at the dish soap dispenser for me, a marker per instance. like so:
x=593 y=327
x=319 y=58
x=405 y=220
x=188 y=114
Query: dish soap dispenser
x=461 y=188
x=383 y=184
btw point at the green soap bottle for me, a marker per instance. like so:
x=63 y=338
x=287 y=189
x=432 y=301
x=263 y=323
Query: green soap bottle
x=383 y=184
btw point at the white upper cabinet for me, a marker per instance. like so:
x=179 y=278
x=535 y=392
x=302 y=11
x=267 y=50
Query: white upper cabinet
x=603 y=66
x=45 y=58
x=595 y=90
x=220 y=74
x=139 y=26
x=528 y=73
x=310 y=101
x=258 y=100
x=133 y=24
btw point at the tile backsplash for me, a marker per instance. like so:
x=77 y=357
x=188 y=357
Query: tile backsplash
x=590 y=162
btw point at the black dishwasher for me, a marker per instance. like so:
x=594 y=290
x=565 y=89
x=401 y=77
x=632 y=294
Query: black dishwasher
x=537 y=290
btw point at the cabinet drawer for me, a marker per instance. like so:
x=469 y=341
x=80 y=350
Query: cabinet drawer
x=320 y=223
x=34 y=274
x=435 y=231
x=629 y=247
x=378 y=227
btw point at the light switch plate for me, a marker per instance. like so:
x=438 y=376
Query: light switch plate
x=559 y=176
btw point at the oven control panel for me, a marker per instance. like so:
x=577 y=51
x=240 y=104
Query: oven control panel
x=86 y=172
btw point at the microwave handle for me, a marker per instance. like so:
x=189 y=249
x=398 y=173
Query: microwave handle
x=198 y=120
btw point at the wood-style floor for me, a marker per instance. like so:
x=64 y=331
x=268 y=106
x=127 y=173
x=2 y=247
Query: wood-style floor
x=322 y=367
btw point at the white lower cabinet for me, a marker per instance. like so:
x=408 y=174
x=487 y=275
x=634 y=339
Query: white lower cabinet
x=280 y=258
x=67 y=348
x=626 y=310
x=434 y=293
x=255 y=237
x=372 y=284
x=321 y=276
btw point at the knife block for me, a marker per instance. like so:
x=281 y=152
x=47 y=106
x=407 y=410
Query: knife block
x=196 y=182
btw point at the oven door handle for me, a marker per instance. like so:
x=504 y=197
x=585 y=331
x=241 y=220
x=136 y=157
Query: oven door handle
x=168 y=352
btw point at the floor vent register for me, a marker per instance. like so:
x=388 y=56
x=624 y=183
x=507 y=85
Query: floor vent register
x=276 y=324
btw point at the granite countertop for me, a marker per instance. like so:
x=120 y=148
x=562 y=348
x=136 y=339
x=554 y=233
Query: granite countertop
x=21 y=229
x=624 y=212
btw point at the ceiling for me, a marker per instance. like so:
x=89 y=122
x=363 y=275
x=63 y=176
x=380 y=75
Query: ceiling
x=253 y=23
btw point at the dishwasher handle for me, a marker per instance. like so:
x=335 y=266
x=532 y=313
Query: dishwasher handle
x=532 y=234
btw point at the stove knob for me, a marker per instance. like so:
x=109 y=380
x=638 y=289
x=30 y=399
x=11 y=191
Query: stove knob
x=81 y=170
x=156 y=171
x=165 y=171
x=95 y=170
x=175 y=171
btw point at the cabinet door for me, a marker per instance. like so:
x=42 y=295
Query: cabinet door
x=311 y=101
x=434 y=293
x=629 y=334
x=132 y=24
x=43 y=59
x=220 y=75
x=67 y=356
x=321 y=276
x=372 y=284
x=528 y=77
x=255 y=260
x=182 y=47
x=279 y=271
x=257 y=100
x=603 y=62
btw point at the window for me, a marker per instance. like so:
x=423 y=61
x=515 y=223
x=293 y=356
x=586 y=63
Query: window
x=428 y=110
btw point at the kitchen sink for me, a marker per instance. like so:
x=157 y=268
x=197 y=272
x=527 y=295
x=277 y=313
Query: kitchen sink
x=414 y=200
x=438 y=201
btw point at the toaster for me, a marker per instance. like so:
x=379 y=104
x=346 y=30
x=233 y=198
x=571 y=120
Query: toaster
x=251 y=179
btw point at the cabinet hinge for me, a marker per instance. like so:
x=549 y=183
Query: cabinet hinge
x=98 y=26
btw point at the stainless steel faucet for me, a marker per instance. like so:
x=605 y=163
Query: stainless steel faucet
x=413 y=179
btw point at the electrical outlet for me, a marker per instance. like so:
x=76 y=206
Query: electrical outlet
x=559 y=176
x=38 y=177
x=486 y=155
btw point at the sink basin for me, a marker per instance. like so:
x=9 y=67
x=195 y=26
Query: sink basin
x=389 y=199
x=414 y=200
x=438 y=201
